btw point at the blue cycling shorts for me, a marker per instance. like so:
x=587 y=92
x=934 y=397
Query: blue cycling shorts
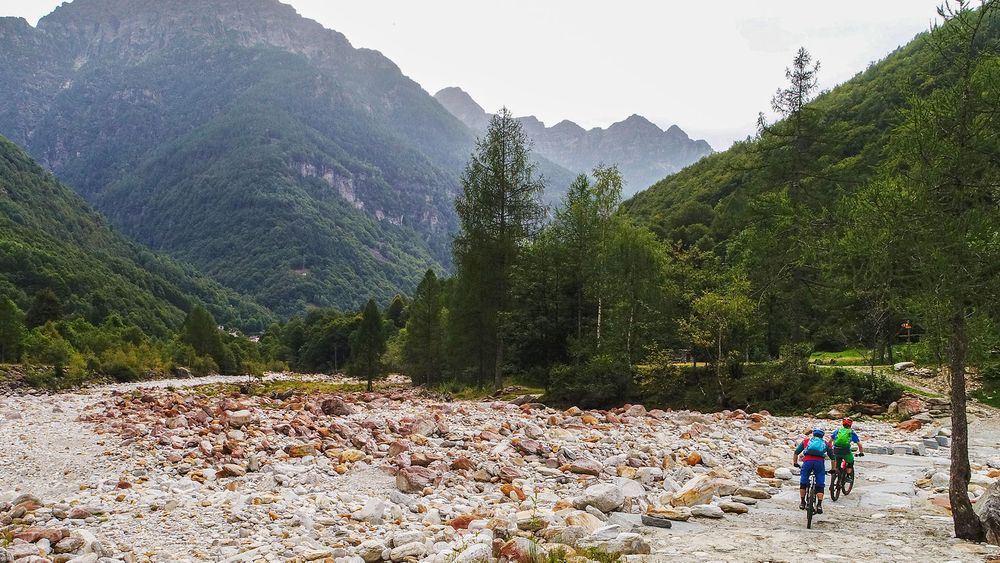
x=817 y=467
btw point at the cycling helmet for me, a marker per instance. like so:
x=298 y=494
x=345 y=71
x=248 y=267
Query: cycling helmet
x=848 y=422
x=818 y=432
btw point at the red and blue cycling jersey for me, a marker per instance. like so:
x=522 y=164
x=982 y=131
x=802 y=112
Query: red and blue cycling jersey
x=812 y=455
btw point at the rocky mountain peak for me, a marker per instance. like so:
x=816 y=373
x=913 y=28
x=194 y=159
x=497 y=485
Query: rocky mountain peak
x=643 y=151
x=136 y=28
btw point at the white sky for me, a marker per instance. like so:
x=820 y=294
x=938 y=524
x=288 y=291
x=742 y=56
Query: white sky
x=709 y=67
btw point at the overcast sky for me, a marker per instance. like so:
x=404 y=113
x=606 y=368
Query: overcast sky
x=708 y=67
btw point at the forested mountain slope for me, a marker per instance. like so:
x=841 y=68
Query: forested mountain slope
x=708 y=202
x=50 y=239
x=243 y=138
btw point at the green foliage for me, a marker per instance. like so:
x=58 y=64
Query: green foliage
x=499 y=209
x=601 y=382
x=44 y=309
x=60 y=259
x=368 y=345
x=11 y=331
x=423 y=343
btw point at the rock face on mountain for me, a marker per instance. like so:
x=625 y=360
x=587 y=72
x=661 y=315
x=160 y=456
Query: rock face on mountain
x=243 y=138
x=643 y=152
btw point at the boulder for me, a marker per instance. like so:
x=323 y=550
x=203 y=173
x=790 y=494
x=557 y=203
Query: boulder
x=765 y=471
x=706 y=511
x=902 y=365
x=412 y=550
x=751 y=492
x=336 y=406
x=603 y=496
x=870 y=409
x=988 y=510
x=371 y=550
x=679 y=514
x=783 y=473
x=372 y=511
x=32 y=535
x=239 y=418
x=582 y=519
x=701 y=489
x=731 y=507
x=909 y=425
x=635 y=410
x=655 y=521
x=475 y=553
x=586 y=466
x=522 y=550
x=415 y=479
x=909 y=406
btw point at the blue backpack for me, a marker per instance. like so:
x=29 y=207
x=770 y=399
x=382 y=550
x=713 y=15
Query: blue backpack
x=814 y=447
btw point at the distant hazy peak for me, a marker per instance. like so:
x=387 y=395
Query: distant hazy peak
x=644 y=152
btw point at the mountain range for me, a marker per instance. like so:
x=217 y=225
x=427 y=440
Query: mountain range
x=644 y=152
x=242 y=138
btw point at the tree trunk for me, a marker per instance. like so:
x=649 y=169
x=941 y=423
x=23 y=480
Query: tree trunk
x=967 y=524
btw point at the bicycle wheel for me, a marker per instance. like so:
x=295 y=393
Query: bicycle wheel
x=810 y=502
x=847 y=484
x=835 y=485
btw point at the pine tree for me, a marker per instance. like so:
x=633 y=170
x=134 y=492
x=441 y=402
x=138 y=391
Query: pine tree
x=396 y=312
x=423 y=349
x=368 y=345
x=202 y=333
x=499 y=210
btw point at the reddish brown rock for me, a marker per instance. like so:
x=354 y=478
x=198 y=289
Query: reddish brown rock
x=509 y=473
x=462 y=522
x=415 y=479
x=32 y=535
x=397 y=448
x=586 y=466
x=463 y=463
x=336 y=407
x=765 y=471
x=301 y=450
x=909 y=425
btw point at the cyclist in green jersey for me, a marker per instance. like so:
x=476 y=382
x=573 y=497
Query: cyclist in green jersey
x=841 y=442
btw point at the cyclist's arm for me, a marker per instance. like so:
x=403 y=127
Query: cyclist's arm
x=795 y=456
x=857 y=440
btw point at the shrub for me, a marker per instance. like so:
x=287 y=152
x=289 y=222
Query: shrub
x=602 y=381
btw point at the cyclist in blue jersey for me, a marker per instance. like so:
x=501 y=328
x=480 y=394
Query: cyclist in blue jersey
x=814 y=451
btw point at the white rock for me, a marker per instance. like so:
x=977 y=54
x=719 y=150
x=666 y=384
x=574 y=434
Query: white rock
x=707 y=511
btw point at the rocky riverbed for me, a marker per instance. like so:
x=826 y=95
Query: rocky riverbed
x=176 y=472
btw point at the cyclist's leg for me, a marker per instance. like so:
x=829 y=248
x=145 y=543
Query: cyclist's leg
x=803 y=483
x=820 y=470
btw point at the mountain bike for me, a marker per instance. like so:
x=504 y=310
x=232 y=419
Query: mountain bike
x=810 y=500
x=841 y=482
